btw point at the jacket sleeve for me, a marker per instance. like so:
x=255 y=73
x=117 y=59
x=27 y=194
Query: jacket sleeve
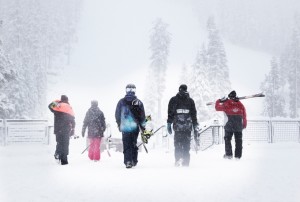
x=50 y=107
x=142 y=114
x=171 y=110
x=103 y=122
x=85 y=121
x=244 y=117
x=219 y=106
x=194 y=113
x=118 y=113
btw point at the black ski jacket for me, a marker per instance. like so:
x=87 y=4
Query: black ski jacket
x=182 y=112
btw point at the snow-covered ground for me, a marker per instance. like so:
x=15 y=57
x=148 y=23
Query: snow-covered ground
x=267 y=172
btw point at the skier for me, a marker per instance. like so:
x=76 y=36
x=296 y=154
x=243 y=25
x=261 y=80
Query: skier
x=130 y=117
x=182 y=114
x=64 y=124
x=237 y=121
x=95 y=122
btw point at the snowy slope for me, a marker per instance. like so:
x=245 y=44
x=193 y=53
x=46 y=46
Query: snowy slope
x=267 y=172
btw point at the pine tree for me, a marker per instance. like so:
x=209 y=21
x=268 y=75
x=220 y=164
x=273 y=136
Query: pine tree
x=159 y=45
x=37 y=36
x=274 y=102
x=218 y=71
x=200 y=90
x=290 y=62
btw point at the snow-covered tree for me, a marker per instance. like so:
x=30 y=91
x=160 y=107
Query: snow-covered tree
x=290 y=69
x=200 y=90
x=160 y=40
x=273 y=84
x=37 y=38
x=7 y=78
x=218 y=72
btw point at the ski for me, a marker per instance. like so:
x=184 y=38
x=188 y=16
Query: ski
x=242 y=98
x=146 y=135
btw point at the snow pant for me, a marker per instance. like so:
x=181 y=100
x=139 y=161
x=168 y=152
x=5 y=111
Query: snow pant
x=130 y=149
x=62 y=147
x=94 y=149
x=238 y=143
x=182 y=144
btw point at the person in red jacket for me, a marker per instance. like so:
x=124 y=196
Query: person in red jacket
x=237 y=121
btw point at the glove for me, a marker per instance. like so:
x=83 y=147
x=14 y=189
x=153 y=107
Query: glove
x=169 y=128
x=196 y=130
x=223 y=99
x=72 y=132
x=82 y=133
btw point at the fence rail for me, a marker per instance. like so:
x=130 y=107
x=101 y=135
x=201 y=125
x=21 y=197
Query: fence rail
x=270 y=131
x=14 y=131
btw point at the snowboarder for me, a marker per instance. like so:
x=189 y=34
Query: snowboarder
x=130 y=117
x=237 y=121
x=95 y=122
x=64 y=124
x=182 y=114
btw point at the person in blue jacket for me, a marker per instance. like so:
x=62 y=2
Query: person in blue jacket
x=130 y=117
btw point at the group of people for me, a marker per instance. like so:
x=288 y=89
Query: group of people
x=131 y=120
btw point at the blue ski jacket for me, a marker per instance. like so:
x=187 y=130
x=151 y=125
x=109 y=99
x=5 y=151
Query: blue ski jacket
x=130 y=114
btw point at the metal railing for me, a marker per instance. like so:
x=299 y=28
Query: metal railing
x=269 y=131
x=13 y=131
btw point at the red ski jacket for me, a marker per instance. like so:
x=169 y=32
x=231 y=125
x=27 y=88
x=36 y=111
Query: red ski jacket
x=236 y=113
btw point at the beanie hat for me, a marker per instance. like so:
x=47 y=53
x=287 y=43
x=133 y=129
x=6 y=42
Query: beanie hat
x=232 y=94
x=64 y=98
x=94 y=103
x=183 y=88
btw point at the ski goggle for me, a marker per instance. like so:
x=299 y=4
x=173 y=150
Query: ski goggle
x=130 y=89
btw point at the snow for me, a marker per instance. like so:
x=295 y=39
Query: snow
x=266 y=172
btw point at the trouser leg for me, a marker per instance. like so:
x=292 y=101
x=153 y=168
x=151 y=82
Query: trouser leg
x=129 y=147
x=97 y=153
x=178 y=146
x=186 y=146
x=91 y=148
x=135 y=149
x=62 y=147
x=238 y=136
x=228 y=147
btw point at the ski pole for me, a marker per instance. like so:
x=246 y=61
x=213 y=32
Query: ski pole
x=153 y=134
x=85 y=149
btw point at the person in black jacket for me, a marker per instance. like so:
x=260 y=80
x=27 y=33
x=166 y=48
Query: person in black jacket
x=64 y=124
x=95 y=122
x=183 y=115
x=130 y=117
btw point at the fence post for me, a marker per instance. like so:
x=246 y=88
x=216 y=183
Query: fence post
x=270 y=126
x=299 y=131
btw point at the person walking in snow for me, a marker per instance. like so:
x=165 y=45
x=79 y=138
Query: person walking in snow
x=64 y=124
x=95 y=122
x=130 y=117
x=237 y=121
x=182 y=114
